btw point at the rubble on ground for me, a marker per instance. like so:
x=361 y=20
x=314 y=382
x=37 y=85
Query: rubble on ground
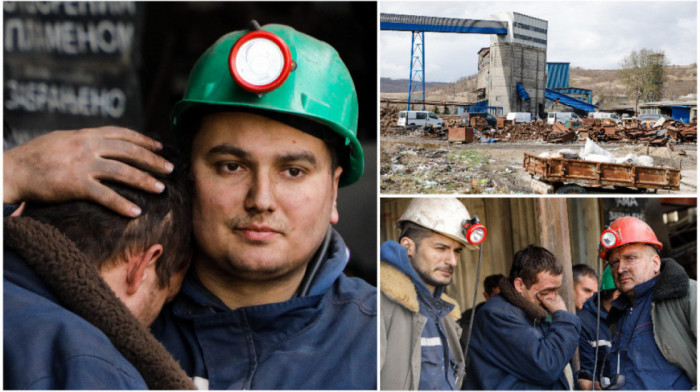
x=600 y=130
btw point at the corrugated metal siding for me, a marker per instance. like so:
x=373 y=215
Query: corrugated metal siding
x=557 y=75
x=680 y=113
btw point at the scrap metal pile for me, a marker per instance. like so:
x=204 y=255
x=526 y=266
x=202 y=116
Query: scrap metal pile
x=388 y=116
x=537 y=130
x=652 y=134
x=659 y=134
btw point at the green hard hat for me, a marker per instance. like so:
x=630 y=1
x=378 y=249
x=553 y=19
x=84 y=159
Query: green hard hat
x=318 y=88
x=606 y=281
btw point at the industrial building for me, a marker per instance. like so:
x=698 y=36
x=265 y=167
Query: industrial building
x=514 y=72
x=678 y=110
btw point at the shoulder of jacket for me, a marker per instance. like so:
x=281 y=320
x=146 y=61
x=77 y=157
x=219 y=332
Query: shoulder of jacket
x=398 y=287
x=456 y=312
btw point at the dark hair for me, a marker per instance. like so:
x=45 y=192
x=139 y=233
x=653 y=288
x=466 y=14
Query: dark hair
x=491 y=282
x=581 y=270
x=532 y=260
x=415 y=232
x=104 y=236
x=192 y=122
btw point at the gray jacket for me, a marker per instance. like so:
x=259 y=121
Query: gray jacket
x=673 y=314
x=400 y=331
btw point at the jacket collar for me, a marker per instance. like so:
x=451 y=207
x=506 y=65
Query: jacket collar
x=78 y=287
x=204 y=302
x=533 y=312
x=673 y=282
x=398 y=287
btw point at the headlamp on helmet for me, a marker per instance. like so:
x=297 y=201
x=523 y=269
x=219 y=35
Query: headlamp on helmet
x=474 y=231
x=609 y=238
x=260 y=61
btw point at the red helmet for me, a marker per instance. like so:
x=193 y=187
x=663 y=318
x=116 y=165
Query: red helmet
x=624 y=231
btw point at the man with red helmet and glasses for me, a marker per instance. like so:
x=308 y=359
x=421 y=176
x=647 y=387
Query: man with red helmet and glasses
x=654 y=321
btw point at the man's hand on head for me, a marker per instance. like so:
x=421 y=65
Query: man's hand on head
x=552 y=302
x=68 y=165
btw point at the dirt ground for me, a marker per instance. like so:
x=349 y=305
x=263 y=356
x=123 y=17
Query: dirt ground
x=419 y=165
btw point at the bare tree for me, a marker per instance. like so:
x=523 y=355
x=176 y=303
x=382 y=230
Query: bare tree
x=643 y=74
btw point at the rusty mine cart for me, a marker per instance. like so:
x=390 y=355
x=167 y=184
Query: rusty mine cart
x=561 y=175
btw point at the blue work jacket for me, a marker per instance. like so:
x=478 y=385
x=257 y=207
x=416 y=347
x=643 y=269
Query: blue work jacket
x=45 y=346
x=641 y=361
x=588 y=341
x=325 y=340
x=508 y=351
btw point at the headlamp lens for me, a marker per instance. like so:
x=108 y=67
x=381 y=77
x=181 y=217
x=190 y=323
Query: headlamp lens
x=259 y=61
x=477 y=236
x=608 y=239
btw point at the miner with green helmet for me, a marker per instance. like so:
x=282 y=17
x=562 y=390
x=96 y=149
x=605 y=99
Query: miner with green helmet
x=589 y=339
x=269 y=123
x=270 y=119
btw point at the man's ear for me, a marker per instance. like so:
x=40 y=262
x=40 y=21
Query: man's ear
x=409 y=244
x=138 y=266
x=657 y=263
x=519 y=285
x=334 y=208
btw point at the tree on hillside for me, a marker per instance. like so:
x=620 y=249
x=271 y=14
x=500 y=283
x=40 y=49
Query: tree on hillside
x=436 y=109
x=643 y=74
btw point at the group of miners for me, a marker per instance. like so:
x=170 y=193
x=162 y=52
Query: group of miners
x=637 y=333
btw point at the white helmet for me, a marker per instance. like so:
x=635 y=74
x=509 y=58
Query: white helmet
x=446 y=216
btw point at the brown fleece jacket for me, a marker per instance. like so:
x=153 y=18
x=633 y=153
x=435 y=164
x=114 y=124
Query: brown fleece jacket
x=80 y=289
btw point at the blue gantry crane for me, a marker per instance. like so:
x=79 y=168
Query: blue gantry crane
x=418 y=25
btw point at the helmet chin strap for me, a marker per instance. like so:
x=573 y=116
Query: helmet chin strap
x=314 y=265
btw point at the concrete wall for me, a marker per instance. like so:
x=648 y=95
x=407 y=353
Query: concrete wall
x=518 y=57
x=482 y=80
x=512 y=64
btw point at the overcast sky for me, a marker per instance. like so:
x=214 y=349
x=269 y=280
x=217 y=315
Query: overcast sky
x=590 y=34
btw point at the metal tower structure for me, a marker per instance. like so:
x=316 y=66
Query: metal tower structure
x=416 y=80
x=418 y=25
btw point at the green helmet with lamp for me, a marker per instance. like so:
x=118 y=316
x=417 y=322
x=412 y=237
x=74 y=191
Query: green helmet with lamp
x=606 y=281
x=278 y=70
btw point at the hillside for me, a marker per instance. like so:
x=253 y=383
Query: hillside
x=682 y=80
x=401 y=85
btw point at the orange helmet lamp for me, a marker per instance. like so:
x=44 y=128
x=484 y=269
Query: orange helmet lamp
x=474 y=231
